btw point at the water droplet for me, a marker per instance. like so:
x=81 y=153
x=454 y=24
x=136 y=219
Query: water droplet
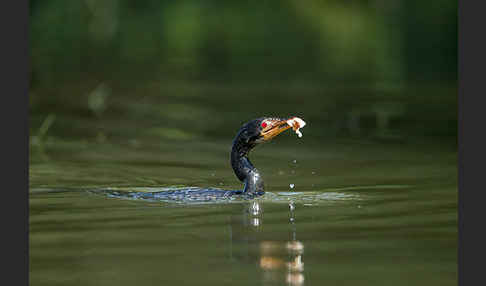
x=295 y=161
x=291 y=206
x=313 y=173
x=291 y=186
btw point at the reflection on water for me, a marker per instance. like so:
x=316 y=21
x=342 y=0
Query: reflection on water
x=278 y=260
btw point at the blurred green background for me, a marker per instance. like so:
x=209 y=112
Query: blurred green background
x=152 y=72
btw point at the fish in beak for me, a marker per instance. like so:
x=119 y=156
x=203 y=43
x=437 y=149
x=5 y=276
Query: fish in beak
x=272 y=127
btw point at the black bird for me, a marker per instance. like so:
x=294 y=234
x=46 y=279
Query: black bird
x=251 y=134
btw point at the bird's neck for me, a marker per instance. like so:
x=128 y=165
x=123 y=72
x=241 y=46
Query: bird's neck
x=244 y=169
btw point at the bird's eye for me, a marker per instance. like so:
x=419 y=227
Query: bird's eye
x=264 y=124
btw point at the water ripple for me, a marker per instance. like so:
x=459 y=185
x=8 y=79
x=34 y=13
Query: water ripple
x=193 y=195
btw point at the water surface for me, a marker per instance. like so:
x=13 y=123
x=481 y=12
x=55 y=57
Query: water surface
x=375 y=206
x=386 y=216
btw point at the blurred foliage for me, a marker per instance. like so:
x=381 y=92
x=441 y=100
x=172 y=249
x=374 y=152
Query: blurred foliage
x=362 y=67
x=394 y=40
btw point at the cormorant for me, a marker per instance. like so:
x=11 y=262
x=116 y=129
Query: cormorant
x=251 y=134
x=257 y=131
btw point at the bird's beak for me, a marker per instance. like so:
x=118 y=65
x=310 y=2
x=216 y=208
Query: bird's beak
x=273 y=128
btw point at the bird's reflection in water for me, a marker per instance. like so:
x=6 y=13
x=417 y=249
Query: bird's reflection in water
x=279 y=260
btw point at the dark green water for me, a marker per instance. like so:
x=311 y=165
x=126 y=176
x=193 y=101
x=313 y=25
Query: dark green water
x=362 y=211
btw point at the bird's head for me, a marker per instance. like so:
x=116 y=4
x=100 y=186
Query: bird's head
x=261 y=130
